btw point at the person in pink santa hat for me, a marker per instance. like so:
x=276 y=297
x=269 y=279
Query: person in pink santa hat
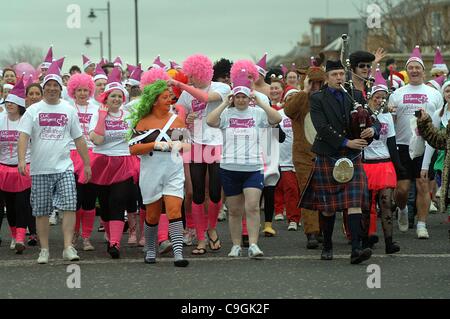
x=15 y=189
x=200 y=99
x=112 y=165
x=52 y=124
x=81 y=88
x=47 y=62
x=88 y=66
x=260 y=84
x=437 y=83
x=439 y=66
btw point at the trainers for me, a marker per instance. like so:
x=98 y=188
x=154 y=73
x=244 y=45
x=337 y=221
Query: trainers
x=292 y=226
x=358 y=255
x=20 y=247
x=87 y=246
x=433 y=208
x=32 y=240
x=254 y=251
x=53 y=219
x=236 y=251
x=165 y=247
x=43 y=256
x=222 y=215
x=422 y=233
x=70 y=254
x=13 y=244
x=268 y=230
x=279 y=217
x=403 y=223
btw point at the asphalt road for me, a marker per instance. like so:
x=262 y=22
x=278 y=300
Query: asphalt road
x=288 y=271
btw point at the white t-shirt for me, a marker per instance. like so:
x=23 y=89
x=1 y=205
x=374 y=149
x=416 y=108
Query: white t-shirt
x=378 y=149
x=85 y=114
x=262 y=97
x=200 y=131
x=243 y=135
x=9 y=137
x=52 y=128
x=438 y=122
x=116 y=129
x=409 y=99
x=286 y=163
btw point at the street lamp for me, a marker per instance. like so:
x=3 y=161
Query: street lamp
x=92 y=17
x=88 y=43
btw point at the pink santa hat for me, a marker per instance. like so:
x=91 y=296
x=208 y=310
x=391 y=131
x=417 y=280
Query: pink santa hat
x=284 y=69
x=102 y=62
x=17 y=94
x=118 y=62
x=380 y=83
x=157 y=63
x=135 y=76
x=130 y=68
x=416 y=56
x=242 y=84
x=174 y=65
x=48 y=59
x=439 y=63
x=437 y=82
x=54 y=73
x=99 y=73
x=262 y=65
x=28 y=81
x=86 y=62
x=113 y=84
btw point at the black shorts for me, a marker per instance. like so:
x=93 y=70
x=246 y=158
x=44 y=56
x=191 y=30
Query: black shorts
x=413 y=167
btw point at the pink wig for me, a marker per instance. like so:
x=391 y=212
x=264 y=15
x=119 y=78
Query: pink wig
x=80 y=80
x=247 y=65
x=153 y=75
x=199 y=67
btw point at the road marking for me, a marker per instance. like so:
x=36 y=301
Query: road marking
x=58 y=262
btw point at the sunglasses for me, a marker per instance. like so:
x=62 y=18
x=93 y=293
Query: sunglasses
x=364 y=65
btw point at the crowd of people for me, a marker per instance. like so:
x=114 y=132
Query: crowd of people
x=166 y=153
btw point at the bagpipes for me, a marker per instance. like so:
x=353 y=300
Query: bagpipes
x=361 y=116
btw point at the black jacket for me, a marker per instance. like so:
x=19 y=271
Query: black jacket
x=331 y=125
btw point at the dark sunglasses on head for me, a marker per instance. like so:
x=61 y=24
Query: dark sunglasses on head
x=364 y=65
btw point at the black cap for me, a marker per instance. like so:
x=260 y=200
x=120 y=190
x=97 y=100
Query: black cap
x=360 y=56
x=334 y=65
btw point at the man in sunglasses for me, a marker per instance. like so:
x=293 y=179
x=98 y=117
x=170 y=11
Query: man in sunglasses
x=361 y=65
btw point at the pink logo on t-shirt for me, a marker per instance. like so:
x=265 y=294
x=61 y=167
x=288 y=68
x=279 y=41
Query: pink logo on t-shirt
x=53 y=119
x=287 y=123
x=85 y=118
x=116 y=125
x=415 y=99
x=198 y=106
x=9 y=136
x=242 y=123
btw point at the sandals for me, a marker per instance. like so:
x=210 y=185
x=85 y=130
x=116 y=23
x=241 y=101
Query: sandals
x=213 y=243
x=199 y=251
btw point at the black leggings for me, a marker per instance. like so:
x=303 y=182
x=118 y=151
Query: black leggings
x=198 y=177
x=269 y=202
x=86 y=196
x=2 y=209
x=114 y=199
x=18 y=208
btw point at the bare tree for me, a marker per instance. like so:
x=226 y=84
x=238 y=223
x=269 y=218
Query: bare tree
x=407 y=23
x=23 y=53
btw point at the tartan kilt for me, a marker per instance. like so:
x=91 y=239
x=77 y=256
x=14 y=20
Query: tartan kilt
x=324 y=194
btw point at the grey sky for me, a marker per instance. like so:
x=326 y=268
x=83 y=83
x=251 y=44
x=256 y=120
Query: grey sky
x=173 y=28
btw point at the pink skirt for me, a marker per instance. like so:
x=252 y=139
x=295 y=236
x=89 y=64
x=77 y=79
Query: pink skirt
x=78 y=165
x=108 y=170
x=380 y=176
x=11 y=181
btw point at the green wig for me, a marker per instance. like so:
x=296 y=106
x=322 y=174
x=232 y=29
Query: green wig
x=145 y=105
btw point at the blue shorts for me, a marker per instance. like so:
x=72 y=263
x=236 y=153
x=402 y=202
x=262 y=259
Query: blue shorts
x=234 y=182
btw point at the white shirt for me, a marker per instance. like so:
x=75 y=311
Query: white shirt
x=242 y=137
x=438 y=122
x=200 y=131
x=9 y=137
x=116 y=129
x=52 y=128
x=286 y=147
x=409 y=99
x=378 y=149
x=85 y=114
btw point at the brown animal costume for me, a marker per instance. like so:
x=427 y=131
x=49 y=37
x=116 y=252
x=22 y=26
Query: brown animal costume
x=297 y=109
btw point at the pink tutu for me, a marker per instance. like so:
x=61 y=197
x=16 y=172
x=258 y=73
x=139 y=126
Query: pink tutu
x=11 y=181
x=108 y=170
x=78 y=165
x=380 y=176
